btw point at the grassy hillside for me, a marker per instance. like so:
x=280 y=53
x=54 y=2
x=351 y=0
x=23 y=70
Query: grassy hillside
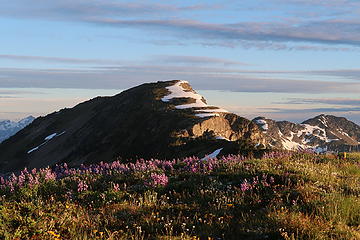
x=282 y=196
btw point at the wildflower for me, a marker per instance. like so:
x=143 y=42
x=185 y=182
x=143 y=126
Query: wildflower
x=157 y=180
x=245 y=186
x=82 y=186
x=116 y=187
x=272 y=180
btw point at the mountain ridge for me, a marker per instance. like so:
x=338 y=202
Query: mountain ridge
x=153 y=120
x=321 y=133
x=166 y=119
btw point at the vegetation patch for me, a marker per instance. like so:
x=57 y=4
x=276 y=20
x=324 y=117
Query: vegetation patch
x=283 y=195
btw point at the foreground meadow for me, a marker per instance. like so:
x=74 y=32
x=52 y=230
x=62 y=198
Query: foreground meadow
x=284 y=195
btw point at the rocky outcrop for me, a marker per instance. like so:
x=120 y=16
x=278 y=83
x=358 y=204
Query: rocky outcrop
x=155 y=120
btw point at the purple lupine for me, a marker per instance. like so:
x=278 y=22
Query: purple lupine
x=157 y=180
x=82 y=186
x=245 y=186
x=116 y=187
x=191 y=164
x=33 y=180
x=48 y=174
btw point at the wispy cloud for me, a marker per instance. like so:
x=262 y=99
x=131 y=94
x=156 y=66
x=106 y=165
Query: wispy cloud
x=4 y=97
x=78 y=9
x=353 y=74
x=160 y=17
x=163 y=59
x=197 y=60
x=316 y=110
x=201 y=78
x=329 y=101
x=321 y=32
x=59 y=60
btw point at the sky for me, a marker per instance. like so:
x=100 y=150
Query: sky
x=281 y=59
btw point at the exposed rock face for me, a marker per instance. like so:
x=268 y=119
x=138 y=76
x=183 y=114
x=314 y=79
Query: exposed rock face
x=156 y=120
x=322 y=133
x=9 y=128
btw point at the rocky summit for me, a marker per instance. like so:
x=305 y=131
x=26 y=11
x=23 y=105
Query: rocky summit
x=321 y=134
x=154 y=120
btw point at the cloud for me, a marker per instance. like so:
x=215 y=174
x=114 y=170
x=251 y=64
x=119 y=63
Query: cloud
x=78 y=9
x=59 y=60
x=328 y=3
x=197 y=60
x=321 y=32
x=201 y=78
x=18 y=92
x=329 y=101
x=4 y=97
x=164 y=59
x=353 y=74
x=168 y=19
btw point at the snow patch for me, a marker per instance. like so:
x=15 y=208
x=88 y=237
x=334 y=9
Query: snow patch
x=177 y=91
x=51 y=136
x=32 y=150
x=46 y=140
x=310 y=130
x=323 y=120
x=213 y=154
x=219 y=110
x=263 y=124
x=222 y=138
x=204 y=115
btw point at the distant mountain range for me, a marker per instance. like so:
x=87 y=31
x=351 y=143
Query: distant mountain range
x=162 y=120
x=8 y=128
x=320 y=134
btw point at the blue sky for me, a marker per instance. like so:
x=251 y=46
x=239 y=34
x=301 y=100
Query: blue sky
x=282 y=59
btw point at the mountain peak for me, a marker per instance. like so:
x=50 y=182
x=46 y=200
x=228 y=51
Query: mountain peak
x=26 y=121
x=154 y=120
x=321 y=133
x=8 y=128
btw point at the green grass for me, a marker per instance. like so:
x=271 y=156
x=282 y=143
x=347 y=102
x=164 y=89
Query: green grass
x=302 y=196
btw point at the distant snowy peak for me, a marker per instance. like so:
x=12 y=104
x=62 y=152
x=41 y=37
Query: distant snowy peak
x=26 y=121
x=322 y=133
x=184 y=97
x=9 y=128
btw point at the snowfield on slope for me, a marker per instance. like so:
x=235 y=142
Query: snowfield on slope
x=212 y=155
x=46 y=140
x=306 y=136
x=263 y=124
x=177 y=91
